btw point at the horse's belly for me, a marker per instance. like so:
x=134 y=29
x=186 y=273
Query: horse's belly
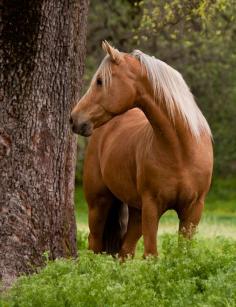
x=119 y=175
x=122 y=185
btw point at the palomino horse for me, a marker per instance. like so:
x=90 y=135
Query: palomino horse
x=150 y=148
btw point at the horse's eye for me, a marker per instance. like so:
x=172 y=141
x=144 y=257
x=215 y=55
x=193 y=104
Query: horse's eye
x=99 y=81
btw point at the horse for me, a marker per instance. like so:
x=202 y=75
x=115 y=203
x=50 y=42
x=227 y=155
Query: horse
x=150 y=151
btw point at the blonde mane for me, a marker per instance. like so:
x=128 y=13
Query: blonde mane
x=170 y=88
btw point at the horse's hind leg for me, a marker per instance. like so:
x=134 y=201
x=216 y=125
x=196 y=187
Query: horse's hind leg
x=189 y=218
x=115 y=227
x=134 y=232
x=98 y=208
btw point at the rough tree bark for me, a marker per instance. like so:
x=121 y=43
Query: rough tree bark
x=42 y=65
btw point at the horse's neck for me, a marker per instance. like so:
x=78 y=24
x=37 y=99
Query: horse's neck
x=175 y=134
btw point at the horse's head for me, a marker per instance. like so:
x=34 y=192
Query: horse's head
x=112 y=91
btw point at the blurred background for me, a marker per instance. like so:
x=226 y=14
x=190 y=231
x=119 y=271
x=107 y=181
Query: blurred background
x=198 y=38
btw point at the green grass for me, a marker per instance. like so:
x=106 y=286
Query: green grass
x=197 y=273
x=222 y=196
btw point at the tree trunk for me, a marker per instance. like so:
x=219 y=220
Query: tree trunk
x=42 y=67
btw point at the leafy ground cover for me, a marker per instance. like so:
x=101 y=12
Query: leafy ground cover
x=197 y=273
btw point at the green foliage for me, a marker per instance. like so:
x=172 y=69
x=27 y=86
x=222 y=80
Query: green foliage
x=197 y=273
x=222 y=196
x=158 y=16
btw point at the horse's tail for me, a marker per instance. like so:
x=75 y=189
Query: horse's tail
x=115 y=228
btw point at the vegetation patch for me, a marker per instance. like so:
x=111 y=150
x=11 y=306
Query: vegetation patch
x=197 y=273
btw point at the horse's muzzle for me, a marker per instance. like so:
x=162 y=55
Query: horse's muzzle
x=84 y=128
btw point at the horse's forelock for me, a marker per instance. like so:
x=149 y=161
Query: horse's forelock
x=104 y=71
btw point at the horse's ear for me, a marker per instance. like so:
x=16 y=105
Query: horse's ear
x=113 y=52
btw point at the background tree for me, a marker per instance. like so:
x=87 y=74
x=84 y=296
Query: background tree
x=42 y=66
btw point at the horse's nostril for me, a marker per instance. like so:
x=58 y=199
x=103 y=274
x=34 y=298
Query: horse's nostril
x=85 y=129
x=84 y=126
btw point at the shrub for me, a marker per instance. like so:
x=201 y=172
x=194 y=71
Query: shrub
x=198 y=273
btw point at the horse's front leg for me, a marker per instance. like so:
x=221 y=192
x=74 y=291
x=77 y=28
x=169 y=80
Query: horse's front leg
x=98 y=213
x=150 y=220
